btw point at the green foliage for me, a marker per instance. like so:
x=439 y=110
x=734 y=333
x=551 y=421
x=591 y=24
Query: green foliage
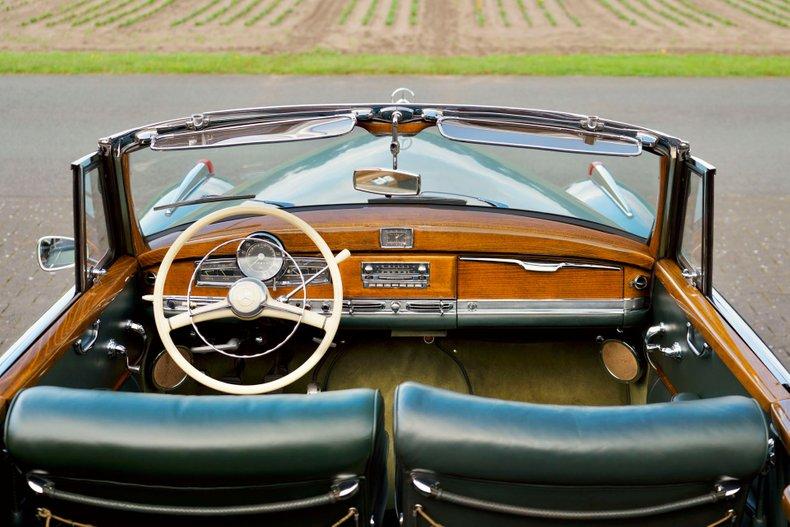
x=755 y=14
x=477 y=9
x=285 y=14
x=524 y=13
x=146 y=15
x=546 y=13
x=347 y=10
x=690 y=4
x=576 y=22
x=196 y=13
x=606 y=4
x=218 y=13
x=392 y=13
x=264 y=13
x=414 y=12
x=242 y=13
x=371 y=11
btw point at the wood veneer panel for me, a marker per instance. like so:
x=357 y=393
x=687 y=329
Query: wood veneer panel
x=629 y=274
x=780 y=416
x=726 y=343
x=58 y=338
x=436 y=229
x=490 y=280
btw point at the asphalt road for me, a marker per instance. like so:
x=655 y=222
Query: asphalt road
x=739 y=125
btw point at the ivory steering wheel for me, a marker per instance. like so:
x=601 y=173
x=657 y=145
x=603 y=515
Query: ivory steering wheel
x=249 y=299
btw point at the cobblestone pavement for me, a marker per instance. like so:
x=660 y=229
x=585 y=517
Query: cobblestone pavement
x=739 y=125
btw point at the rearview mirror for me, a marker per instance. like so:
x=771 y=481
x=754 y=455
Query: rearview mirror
x=56 y=253
x=386 y=182
x=522 y=135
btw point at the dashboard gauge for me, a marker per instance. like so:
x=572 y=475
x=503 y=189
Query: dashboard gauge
x=260 y=258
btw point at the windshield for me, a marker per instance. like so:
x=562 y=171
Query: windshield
x=319 y=172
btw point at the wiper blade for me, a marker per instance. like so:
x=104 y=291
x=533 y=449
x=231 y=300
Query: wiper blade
x=496 y=204
x=215 y=199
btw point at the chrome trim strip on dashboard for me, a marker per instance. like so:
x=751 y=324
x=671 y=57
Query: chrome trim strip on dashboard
x=751 y=338
x=549 y=307
x=540 y=267
x=27 y=339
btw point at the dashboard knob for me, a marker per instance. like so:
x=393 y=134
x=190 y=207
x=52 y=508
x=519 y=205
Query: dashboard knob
x=395 y=306
x=325 y=307
x=422 y=268
x=368 y=268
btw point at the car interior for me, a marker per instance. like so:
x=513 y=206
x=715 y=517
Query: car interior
x=416 y=364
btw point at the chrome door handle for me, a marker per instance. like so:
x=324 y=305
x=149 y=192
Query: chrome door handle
x=690 y=342
x=673 y=352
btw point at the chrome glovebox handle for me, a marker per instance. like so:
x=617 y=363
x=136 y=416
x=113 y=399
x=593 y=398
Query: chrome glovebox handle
x=673 y=352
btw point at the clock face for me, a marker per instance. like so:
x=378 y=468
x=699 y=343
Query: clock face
x=397 y=238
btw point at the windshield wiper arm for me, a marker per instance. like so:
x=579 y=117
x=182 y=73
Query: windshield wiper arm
x=461 y=199
x=215 y=198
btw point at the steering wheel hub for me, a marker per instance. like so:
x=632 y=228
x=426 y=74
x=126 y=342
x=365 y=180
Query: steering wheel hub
x=247 y=297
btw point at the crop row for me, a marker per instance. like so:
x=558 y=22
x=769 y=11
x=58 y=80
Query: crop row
x=506 y=13
x=121 y=13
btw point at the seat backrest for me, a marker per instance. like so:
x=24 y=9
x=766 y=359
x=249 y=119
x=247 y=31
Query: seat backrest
x=295 y=459
x=466 y=460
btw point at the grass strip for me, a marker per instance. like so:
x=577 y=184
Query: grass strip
x=576 y=22
x=196 y=13
x=524 y=13
x=392 y=13
x=331 y=63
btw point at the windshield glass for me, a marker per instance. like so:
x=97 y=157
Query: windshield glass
x=616 y=192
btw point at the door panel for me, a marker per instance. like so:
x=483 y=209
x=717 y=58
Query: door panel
x=747 y=368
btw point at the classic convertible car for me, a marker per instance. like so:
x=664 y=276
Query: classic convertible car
x=383 y=314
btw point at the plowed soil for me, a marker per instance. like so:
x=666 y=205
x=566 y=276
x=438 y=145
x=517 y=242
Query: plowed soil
x=426 y=27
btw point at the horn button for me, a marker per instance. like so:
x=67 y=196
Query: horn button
x=247 y=297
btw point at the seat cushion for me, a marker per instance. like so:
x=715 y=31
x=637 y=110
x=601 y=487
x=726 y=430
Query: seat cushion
x=680 y=442
x=212 y=440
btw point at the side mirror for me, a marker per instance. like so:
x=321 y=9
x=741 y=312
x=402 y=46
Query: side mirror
x=56 y=253
x=387 y=182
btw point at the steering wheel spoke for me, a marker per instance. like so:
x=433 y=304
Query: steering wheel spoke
x=212 y=311
x=276 y=309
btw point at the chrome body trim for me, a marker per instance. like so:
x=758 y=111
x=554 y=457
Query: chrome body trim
x=540 y=267
x=27 y=339
x=751 y=338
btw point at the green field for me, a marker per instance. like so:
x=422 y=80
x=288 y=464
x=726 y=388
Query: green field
x=330 y=63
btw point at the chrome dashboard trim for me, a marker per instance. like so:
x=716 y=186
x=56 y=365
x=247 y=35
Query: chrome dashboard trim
x=540 y=267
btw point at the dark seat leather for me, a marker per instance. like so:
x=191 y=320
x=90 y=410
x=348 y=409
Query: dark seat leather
x=573 y=458
x=269 y=448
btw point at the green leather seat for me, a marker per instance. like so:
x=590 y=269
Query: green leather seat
x=466 y=460
x=205 y=457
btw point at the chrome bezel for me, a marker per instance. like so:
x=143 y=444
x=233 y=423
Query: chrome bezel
x=266 y=238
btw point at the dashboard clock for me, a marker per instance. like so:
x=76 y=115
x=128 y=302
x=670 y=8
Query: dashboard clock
x=396 y=238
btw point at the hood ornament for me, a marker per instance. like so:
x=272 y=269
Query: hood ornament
x=402 y=96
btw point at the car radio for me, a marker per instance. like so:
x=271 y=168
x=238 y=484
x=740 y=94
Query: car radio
x=396 y=274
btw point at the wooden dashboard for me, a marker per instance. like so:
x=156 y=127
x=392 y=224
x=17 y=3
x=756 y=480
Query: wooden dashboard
x=483 y=267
